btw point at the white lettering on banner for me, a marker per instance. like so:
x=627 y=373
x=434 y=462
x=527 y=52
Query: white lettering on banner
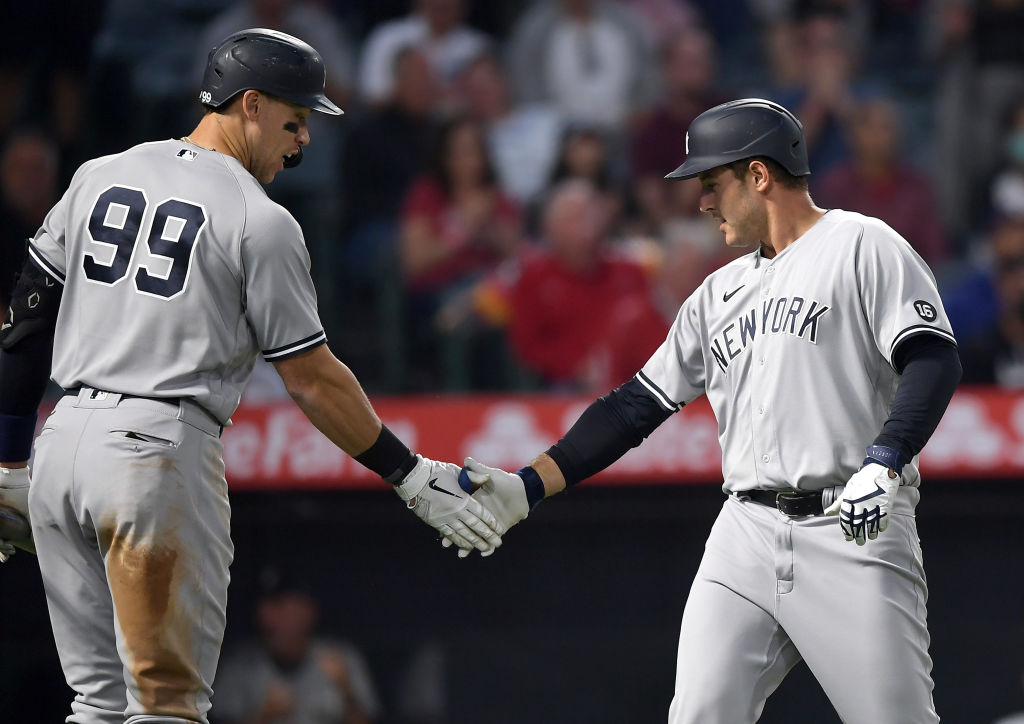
x=508 y=438
x=242 y=444
x=966 y=434
x=288 y=446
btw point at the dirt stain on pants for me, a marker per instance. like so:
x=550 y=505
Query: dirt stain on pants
x=157 y=634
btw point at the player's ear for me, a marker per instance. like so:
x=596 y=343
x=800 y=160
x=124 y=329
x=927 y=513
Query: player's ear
x=252 y=100
x=759 y=173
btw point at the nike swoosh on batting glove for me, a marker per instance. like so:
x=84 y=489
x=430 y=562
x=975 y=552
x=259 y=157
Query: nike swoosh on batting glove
x=431 y=490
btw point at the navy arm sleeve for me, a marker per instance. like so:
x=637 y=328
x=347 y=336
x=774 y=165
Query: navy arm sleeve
x=929 y=369
x=607 y=430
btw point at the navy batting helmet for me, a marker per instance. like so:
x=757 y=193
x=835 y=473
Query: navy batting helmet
x=268 y=61
x=743 y=129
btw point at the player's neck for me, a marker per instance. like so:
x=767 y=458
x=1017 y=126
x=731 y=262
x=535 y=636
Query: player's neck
x=213 y=134
x=788 y=220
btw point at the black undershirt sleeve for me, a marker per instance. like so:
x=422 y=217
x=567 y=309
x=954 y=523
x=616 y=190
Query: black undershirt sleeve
x=929 y=368
x=607 y=430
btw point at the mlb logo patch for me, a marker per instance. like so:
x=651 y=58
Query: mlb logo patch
x=187 y=154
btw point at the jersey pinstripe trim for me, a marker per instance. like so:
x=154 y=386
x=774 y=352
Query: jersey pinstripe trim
x=663 y=399
x=45 y=266
x=915 y=330
x=290 y=350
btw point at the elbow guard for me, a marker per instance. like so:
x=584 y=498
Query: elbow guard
x=33 y=308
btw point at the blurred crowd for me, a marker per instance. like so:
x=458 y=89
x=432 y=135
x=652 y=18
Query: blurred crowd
x=490 y=214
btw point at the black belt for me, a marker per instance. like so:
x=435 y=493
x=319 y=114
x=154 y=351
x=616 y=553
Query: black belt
x=791 y=504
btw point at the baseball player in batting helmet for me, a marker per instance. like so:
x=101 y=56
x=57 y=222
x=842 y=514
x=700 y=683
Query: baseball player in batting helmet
x=156 y=281
x=828 y=361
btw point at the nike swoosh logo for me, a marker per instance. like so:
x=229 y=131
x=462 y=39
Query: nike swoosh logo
x=726 y=297
x=434 y=486
x=878 y=491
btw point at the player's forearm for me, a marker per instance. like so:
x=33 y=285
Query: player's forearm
x=331 y=397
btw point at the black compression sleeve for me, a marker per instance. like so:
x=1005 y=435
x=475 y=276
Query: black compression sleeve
x=930 y=368
x=25 y=370
x=606 y=431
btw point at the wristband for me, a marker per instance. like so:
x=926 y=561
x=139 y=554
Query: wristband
x=886 y=456
x=388 y=457
x=533 y=484
x=16 y=433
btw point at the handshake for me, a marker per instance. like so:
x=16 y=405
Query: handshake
x=472 y=507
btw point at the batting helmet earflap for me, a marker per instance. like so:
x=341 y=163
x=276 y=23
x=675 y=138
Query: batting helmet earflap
x=743 y=129
x=268 y=61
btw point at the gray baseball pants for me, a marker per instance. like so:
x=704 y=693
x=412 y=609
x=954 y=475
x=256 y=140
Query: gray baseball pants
x=773 y=590
x=131 y=521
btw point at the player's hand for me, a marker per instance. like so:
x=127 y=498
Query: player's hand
x=432 y=492
x=864 y=506
x=15 y=529
x=500 y=492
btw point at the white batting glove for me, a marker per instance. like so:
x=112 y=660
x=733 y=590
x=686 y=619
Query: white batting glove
x=432 y=492
x=14 y=522
x=864 y=506
x=501 y=492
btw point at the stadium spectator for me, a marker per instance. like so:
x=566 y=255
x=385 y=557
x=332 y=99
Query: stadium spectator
x=385 y=151
x=662 y=20
x=457 y=224
x=689 y=87
x=144 y=58
x=29 y=168
x=289 y=675
x=878 y=181
x=588 y=57
x=523 y=139
x=997 y=355
x=1007 y=197
x=566 y=292
x=822 y=93
x=585 y=154
x=437 y=27
x=978 y=47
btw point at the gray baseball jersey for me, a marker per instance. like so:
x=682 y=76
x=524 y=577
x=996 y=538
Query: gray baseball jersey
x=795 y=354
x=177 y=270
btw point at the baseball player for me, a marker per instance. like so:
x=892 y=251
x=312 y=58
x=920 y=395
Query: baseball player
x=827 y=338
x=157 y=279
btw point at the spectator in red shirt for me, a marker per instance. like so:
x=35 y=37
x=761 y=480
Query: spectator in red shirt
x=457 y=225
x=877 y=181
x=456 y=221
x=566 y=292
x=640 y=322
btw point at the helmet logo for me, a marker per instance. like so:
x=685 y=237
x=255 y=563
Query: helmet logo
x=687 y=143
x=205 y=97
